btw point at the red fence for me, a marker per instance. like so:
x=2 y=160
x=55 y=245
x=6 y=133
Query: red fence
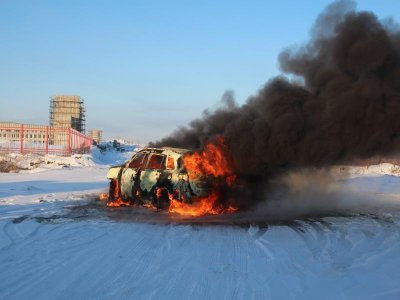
x=22 y=138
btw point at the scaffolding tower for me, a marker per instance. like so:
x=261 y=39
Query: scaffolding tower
x=67 y=111
x=96 y=135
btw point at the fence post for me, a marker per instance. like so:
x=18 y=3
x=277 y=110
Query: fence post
x=69 y=141
x=21 y=138
x=47 y=139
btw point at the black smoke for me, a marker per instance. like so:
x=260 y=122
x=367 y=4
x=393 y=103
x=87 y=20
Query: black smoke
x=339 y=101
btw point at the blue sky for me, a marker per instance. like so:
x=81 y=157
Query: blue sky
x=146 y=67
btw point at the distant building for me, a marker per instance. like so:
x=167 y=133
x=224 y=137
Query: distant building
x=29 y=138
x=95 y=134
x=67 y=111
x=13 y=132
x=64 y=136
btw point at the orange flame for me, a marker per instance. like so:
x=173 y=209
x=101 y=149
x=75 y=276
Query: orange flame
x=117 y=199
x=214 y=161
x=202 y=206
x=103 y=197
x=149 y=206
x=159 y=192
x=117 y=202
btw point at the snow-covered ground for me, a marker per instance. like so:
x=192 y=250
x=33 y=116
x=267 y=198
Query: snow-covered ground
x=56 y=242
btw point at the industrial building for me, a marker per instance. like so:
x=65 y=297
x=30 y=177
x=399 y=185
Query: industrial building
x=10 y=131
x=28 y=138
x=67 y=111
x=64 y=136
x=95 y=134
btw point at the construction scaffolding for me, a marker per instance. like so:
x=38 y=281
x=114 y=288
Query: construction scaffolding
x=67 y=111
x=96 y=135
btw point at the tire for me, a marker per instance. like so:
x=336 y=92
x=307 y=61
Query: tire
x=111 y=191
x=160 y=201
x=135 y=198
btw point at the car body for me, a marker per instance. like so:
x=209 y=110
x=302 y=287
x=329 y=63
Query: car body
x=154 y=174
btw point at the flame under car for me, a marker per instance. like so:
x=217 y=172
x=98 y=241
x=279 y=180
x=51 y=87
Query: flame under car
x=152 y=177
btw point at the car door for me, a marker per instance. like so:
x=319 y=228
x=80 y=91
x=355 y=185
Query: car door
x=152 y=171
x=129 y=173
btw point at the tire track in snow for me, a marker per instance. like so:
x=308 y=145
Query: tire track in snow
x=6 y=241
x=31 y=274
x=102 y=259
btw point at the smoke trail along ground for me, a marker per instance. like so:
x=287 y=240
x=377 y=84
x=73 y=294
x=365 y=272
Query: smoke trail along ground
x=343 y=104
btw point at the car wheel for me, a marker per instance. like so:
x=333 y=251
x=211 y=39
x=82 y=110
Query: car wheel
x=136 y=195
x=160 y=197
x=113 y=190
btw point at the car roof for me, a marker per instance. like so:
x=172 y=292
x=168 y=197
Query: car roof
x=165 y=150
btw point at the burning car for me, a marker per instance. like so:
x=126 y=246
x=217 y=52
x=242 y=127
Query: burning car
x=189 y=183
x=153 y=176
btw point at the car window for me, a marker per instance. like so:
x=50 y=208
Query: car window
x=145 y=159
x=170 y=163
x=156 y=162
x=179 y=162
x=138 y=160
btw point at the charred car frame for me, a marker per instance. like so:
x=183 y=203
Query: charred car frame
x=151 y=176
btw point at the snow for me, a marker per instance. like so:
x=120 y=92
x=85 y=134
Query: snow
x=372 y=170
x=56 y=244
x=39 y=163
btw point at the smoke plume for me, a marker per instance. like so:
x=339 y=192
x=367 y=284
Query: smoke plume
x=341 y=103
